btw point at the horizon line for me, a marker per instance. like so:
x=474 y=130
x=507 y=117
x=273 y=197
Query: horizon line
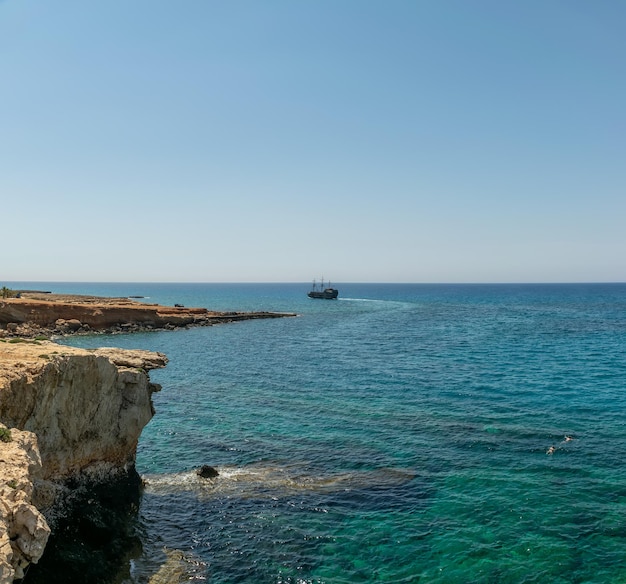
x=349 y=282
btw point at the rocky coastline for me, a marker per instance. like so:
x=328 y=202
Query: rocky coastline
x=70 y=421
x=39 y=314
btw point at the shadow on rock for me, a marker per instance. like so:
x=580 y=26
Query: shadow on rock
x=95 y=538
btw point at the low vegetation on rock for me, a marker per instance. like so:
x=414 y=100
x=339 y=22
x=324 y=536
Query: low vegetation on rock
x=5 y=435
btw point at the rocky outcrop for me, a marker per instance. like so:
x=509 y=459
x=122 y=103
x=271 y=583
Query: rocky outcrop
x=23 y=529
x=87 y=410
x=72 y=420
x=97 y=315
x=36 y=314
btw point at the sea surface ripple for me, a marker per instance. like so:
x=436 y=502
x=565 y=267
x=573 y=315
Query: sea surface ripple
x=404 y=433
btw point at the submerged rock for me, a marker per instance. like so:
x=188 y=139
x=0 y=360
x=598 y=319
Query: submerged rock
x=178 y=568
x=261 y=481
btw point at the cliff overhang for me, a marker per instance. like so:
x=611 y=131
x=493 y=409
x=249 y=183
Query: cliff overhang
x=70 y=421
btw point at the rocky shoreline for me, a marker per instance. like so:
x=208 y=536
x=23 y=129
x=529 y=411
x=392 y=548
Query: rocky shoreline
x=41 y=314
x=70 y=421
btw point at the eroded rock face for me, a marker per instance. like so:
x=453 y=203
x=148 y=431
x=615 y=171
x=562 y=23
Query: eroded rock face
x=23 y=529
x=98 y=315
x=87 y=410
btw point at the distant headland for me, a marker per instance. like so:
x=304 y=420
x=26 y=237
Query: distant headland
x=31 y=313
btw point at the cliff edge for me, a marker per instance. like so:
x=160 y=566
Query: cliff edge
x=70 y=417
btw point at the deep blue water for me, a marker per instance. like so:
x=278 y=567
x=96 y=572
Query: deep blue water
x=402 y=433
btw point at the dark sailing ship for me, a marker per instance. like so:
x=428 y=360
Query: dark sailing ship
x=327 y=293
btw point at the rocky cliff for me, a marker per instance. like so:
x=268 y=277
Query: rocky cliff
x=97 y=313
x=72 y=417
x=23 y=529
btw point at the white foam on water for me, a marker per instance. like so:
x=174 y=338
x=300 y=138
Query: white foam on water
x=269 y=481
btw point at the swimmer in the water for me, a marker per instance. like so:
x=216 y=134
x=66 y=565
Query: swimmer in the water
x=553 y=449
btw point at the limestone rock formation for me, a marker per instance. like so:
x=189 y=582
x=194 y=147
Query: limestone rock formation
x=87 y=409
x=23 y=529
x=35 y=314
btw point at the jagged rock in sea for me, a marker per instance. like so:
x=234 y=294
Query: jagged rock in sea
x=207 y=472
x=87 y=410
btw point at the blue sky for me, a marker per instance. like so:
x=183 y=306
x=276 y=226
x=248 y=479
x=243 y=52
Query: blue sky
x=282 y=140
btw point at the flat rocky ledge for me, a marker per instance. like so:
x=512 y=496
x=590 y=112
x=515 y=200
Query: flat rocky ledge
x=44 y=315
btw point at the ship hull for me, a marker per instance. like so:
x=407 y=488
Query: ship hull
x=328 y=294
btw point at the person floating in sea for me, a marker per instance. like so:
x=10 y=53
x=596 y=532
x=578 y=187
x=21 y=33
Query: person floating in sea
x=553 y=449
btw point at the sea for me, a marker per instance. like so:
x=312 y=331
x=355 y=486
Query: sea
x=402 y=433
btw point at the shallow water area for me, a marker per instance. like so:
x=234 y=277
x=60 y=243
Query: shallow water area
x=402 y=433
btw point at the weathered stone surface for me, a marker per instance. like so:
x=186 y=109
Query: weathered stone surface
x=97 y=315
x=34 y=314
x=87 y=407
x=23 y=529
x=75 y=417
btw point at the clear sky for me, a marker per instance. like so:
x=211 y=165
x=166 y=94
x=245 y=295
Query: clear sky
x=283 y=140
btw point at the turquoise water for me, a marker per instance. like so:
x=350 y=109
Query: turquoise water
x=400 y=434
